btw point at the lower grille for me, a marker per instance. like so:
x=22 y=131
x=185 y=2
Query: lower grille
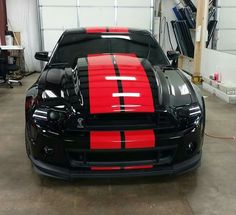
x=122 y=158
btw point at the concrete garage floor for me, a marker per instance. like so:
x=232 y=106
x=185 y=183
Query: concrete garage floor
x=209 y=190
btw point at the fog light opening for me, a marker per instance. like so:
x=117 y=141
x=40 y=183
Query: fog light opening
x=190 y=148
x=54 y=115
x=48 y=151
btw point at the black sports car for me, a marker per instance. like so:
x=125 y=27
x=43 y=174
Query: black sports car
x=109 y=103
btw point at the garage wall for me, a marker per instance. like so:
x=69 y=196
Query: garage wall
x=223 y=63
x=22 y=17
x=216 y=61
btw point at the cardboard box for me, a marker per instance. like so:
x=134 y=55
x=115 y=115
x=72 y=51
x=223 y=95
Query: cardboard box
x=17 y=39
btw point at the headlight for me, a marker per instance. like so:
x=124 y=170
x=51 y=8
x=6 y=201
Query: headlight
x=194 y=111
x=49 y=115
x=188 y=116
x=188 y=111
x=40 y=114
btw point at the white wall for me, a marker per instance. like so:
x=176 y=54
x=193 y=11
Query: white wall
x=216 y=61
x=22 y=16
x=223 y=63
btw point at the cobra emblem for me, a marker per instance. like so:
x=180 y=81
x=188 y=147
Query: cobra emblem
x=80 y=123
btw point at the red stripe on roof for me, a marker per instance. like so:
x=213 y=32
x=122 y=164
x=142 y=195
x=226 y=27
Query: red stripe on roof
x=105 y=140
x=119 y=29
x=91 y=30
x=139 y=139
x=105 y=29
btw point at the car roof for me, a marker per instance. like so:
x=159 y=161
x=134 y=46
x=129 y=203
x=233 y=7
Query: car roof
x=106 y=30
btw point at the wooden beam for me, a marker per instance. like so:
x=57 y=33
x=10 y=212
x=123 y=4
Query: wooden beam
x=201 y=28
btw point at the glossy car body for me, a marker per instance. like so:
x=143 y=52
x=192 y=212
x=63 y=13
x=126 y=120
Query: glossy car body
x=108 y=103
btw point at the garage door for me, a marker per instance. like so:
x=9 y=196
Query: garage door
x=58 y=15
x=226 y=26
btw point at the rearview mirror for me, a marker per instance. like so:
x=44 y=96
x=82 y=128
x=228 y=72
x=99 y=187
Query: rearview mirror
x=173 y=55
x=43 y=56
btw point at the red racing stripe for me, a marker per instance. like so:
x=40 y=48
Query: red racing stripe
x=105 y=140
x=142 y=100
x=138 y=167
x=118 y=29
x=94 y=30
x=101 y=90
x=95 y=168
x=139 y=139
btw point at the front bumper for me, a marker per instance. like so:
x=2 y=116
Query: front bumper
x=61 y=166
x=66 y=174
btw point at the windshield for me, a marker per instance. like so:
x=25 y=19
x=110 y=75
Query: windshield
x=76 y=45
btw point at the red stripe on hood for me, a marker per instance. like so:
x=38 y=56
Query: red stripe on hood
x=105 y=140
x=129 y=65
x=94 y=30
x=100 y=90
x=139 y=139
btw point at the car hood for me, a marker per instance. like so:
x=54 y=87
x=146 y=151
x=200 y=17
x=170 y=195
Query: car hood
x=114 y=83
x=123 y=83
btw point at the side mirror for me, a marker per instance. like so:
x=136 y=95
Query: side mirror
x=173 y=55
x=43 y=56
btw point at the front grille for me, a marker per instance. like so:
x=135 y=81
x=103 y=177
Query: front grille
x=121 y=121
x=165 y=122
x=122 y=158
x=162 y=121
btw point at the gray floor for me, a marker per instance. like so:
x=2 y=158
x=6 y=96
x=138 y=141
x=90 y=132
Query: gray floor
x=210 y=190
